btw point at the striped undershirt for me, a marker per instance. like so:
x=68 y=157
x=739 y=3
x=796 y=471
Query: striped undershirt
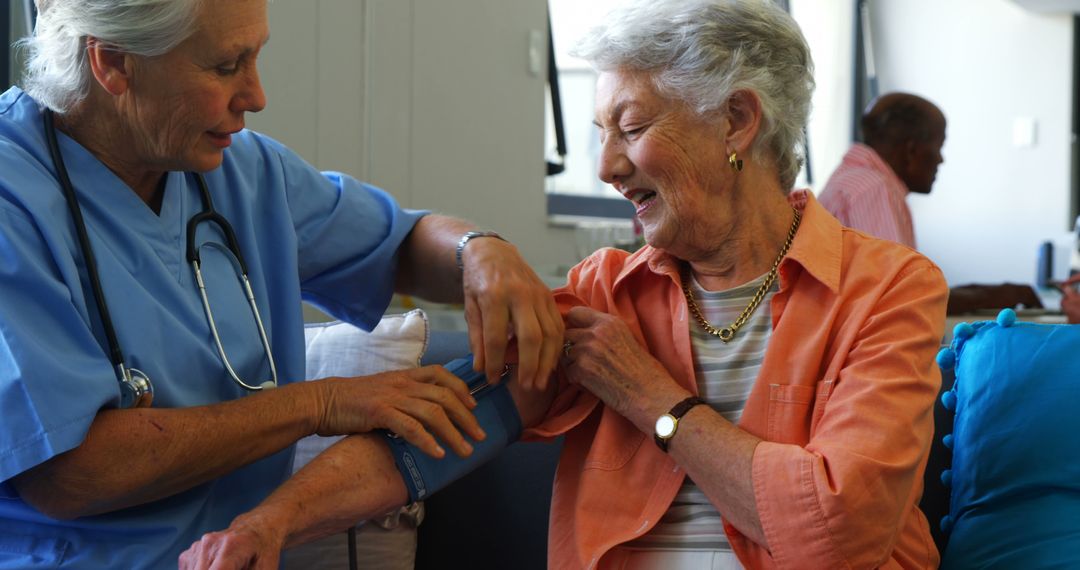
x=725 y=374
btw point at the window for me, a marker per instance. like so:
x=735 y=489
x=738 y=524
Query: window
x=828 y=30
x=577 y=81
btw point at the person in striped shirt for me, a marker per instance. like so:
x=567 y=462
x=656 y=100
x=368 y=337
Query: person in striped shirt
x=903 y=135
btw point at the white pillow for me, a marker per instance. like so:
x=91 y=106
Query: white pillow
x=341 y=349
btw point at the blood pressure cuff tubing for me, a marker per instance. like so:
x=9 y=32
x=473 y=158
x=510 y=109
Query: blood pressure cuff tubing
x=498 y=416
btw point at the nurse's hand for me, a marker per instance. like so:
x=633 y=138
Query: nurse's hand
x=503 y=297
x=244 y=545
x=417 y=404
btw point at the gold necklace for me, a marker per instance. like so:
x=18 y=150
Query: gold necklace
x=727 y=333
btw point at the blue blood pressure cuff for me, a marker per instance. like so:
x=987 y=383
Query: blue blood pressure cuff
x=498 y=416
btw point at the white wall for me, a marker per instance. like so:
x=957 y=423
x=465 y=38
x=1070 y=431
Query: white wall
x=432 y=100
x=985 y=63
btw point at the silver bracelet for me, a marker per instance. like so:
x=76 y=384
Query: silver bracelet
x=465 y=240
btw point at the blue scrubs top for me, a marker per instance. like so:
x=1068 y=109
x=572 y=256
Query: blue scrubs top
x=323 y=237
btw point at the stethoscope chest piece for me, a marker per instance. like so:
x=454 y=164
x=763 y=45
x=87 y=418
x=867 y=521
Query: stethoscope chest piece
x=136 y=391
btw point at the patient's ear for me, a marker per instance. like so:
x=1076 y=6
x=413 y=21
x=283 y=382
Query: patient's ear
x=743 y=113
x=111 y=66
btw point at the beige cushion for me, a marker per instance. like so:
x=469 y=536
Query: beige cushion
x=340 y=349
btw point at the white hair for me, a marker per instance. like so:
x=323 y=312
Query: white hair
x=702 y=51
x=57 y=72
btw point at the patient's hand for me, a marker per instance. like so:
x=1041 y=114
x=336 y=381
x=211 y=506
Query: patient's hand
x=532 y=401
x=246 y=544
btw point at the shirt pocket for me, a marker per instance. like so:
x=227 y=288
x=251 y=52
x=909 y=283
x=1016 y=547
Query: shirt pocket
x=619 y=441
x=789 y=413
x=824 y=390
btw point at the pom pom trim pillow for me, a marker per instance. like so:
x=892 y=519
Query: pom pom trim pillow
x=1015 y=476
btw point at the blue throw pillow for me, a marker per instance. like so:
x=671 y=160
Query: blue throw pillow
x=1015 y=477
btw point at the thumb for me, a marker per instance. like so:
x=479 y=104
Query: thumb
x=582 y=317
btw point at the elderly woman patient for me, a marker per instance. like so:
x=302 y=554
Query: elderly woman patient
x=753 y=388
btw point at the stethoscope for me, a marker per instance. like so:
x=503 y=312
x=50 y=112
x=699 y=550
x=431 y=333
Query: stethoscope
x=136 y=390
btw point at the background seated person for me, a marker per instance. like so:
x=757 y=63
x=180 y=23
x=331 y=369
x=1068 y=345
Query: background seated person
x=903 y=136
x=797 y=354
x=1070 y=300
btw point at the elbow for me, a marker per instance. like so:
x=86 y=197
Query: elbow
x=54 y=508
x=49 y=499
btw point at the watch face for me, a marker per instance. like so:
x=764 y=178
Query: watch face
x=665 y=426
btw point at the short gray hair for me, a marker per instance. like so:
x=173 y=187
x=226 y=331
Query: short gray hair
x=702 y=51
x=57 y=72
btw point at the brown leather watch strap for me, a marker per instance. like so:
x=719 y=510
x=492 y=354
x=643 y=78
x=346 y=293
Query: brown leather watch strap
x=677 y=412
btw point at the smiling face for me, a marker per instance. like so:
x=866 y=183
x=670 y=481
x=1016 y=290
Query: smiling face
x=669 y=161
x=182 y=107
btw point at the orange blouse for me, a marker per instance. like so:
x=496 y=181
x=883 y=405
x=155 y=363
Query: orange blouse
x=844 y=402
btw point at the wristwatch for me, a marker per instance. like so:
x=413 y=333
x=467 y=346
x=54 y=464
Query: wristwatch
x=668 y=424
x=460 y=249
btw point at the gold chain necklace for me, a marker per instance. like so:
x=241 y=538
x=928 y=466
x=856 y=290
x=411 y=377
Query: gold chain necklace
x=727 y=333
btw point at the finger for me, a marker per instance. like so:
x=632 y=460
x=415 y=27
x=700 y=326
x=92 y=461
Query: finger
x=440 y=376
x=412 y=431
x=215 y=553
x=529 y=336
x=551 y=322
x=268 y=561
x=496 y=319
x=224 y=560
x=582 y=317
x=451 y=405
x=187 y=558
x=434 y=418
x=475 y=324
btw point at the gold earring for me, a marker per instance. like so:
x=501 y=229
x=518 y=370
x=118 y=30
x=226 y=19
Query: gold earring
x=735 y=162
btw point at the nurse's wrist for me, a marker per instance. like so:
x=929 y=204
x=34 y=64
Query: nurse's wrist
x=466 y=239
x=306 y=404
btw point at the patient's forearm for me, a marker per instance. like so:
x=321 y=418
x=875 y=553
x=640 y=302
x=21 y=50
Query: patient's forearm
x=353 y=480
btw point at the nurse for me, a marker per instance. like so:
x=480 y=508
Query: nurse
x=144 y=104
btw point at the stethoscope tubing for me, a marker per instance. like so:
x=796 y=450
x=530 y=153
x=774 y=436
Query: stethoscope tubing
x=136 y=388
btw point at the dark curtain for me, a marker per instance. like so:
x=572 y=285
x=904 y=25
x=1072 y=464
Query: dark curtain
x=5 y=43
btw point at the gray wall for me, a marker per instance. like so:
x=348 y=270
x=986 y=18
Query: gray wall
x=18 y=29
x=432 y=100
